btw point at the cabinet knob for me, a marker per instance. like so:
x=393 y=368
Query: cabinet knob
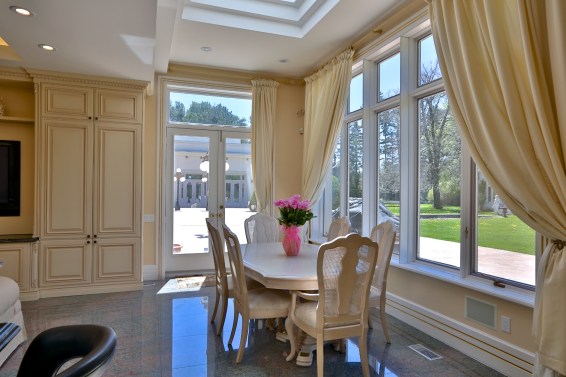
x=95 y=236
x=94 y=242
x=87 y=242
x=88 y=236
x=89 y=117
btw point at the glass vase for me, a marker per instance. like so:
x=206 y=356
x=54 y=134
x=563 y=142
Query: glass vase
x=291 y=239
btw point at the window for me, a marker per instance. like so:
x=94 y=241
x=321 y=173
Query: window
x=419 y=175
x=205 y=109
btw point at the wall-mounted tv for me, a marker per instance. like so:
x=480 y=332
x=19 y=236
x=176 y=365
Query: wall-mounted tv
x=9 y=178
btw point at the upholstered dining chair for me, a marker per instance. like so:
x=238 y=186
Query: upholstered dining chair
x=257 y=303
x=338 y=227
x=384 y=234
x=93 y=346
x=261 y=228
x=345 y=268
x=223 y=279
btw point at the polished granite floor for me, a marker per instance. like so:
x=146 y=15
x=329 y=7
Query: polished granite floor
x=170 y=334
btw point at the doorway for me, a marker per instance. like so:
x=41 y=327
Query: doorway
x=209 y=175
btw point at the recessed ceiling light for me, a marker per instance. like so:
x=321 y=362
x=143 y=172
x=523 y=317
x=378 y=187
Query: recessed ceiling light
x=46 y=47
x=21 y=11
x=284 y=60
x=206 y=48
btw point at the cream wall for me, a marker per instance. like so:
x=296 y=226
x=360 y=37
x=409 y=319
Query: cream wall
x=150 y=180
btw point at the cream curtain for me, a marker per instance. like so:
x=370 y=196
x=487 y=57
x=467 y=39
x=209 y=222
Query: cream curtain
x=504 y=68
x=264 y=93
x=325 y=98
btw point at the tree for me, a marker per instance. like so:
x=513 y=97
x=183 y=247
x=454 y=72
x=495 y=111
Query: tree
x=440 y=142
x=389 y=167
x=205 y=113
x=355 y=158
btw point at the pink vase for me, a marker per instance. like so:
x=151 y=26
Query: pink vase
x=291 y=239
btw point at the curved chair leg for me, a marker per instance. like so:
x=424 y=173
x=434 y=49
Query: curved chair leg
x=370 y=322
x=243 y=338
x=236 y=314
x=384 y=325
x=319 y=356
x=223 y=311
x=289 y=326
x=217 y=298
x=363 y=347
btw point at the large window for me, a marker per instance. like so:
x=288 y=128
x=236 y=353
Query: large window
x=401 y=160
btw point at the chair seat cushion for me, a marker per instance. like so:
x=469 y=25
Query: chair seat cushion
x=268 y=303
x=9 y=293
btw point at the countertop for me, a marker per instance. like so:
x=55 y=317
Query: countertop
x=16 y=238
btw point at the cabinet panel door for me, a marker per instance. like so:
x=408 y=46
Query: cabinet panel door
x=118 y=106
x=117 y=260
x=117 y=180
x=67 y=174
x=16 y=263
x=65 y=262
x=67 y=101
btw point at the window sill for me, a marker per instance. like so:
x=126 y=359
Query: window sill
x=509 y=293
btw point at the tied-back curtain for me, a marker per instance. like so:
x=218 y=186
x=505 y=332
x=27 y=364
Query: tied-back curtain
x=504 y=68
x=264 y=93
x=325 y=98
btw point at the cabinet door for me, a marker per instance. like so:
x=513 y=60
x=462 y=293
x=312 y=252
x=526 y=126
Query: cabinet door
x=15 y=258
x=117 y=260
x=67 y=178
x=119 y=106
x=65 y=262
x=66 y=101
x=117 y=197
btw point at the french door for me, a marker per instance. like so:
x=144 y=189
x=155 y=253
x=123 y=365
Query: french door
x=208 y=175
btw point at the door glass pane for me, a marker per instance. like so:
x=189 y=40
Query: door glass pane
x=505 y=244
x=389 y=77
x=356 y=100
x=190 y=194
x=209 y=109
x=429 y=70
x=355 y=167
x=439 y=182
x=239 y=197
x=389 y=169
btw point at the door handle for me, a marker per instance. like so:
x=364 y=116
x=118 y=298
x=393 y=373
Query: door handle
x=212 y=215
x=221 y=207
x=220 y=215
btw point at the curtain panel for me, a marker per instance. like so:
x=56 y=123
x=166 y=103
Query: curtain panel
x=325 y=100
x=264 y=93
x=504 y=68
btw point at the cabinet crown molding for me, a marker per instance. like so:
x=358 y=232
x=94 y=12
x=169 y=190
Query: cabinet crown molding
x=48 y=76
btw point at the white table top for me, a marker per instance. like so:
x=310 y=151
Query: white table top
x=267 y=263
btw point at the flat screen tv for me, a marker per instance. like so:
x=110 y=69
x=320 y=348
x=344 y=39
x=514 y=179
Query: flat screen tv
x=9 y=178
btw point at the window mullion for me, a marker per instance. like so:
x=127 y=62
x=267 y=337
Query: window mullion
x=370 y=182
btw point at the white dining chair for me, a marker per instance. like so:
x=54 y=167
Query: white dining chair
x=384 y=234
x=345 y=268
x=261 y=228
x=257 y=303
x=338 y=227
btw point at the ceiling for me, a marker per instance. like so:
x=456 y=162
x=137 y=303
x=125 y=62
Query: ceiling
x=133 y=39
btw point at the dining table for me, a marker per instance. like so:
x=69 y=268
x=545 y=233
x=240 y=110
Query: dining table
x=267 y=263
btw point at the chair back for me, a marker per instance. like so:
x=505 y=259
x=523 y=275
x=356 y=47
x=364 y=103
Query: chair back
x=236 y=267
x=384 y=234
x=94 y=344
x=217 y=254
x=261 y=228
x=345 y=270
x=338 y=228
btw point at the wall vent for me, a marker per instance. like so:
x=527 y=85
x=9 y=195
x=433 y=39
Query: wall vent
x=481 y=312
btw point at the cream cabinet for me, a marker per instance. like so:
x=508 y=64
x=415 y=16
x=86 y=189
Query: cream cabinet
x=90 y=186
x=16 y=259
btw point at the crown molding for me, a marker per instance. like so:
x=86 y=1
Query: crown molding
x=43 y=76
x=14 y=74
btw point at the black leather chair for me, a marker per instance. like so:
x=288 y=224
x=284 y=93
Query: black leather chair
x=93 y=344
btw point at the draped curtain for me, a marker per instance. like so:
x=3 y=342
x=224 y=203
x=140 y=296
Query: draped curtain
x=504 y=69
x=264 y=93
x=325 y=98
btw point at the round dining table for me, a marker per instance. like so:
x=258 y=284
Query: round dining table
x=267 y=263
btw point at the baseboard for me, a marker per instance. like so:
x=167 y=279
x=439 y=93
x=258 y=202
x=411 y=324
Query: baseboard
x=89 y=290
x=150 y=272
x=504 y=357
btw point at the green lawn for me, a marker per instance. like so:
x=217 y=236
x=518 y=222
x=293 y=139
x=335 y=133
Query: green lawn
x=505 y=233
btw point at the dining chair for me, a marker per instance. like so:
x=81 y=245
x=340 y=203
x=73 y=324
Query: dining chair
x=345 y=268
x=261 y=228
x=338 y=227
x=257 y=303
x=384 y=234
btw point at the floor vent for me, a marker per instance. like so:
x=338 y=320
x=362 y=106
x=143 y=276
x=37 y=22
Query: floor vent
x=422 y=350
